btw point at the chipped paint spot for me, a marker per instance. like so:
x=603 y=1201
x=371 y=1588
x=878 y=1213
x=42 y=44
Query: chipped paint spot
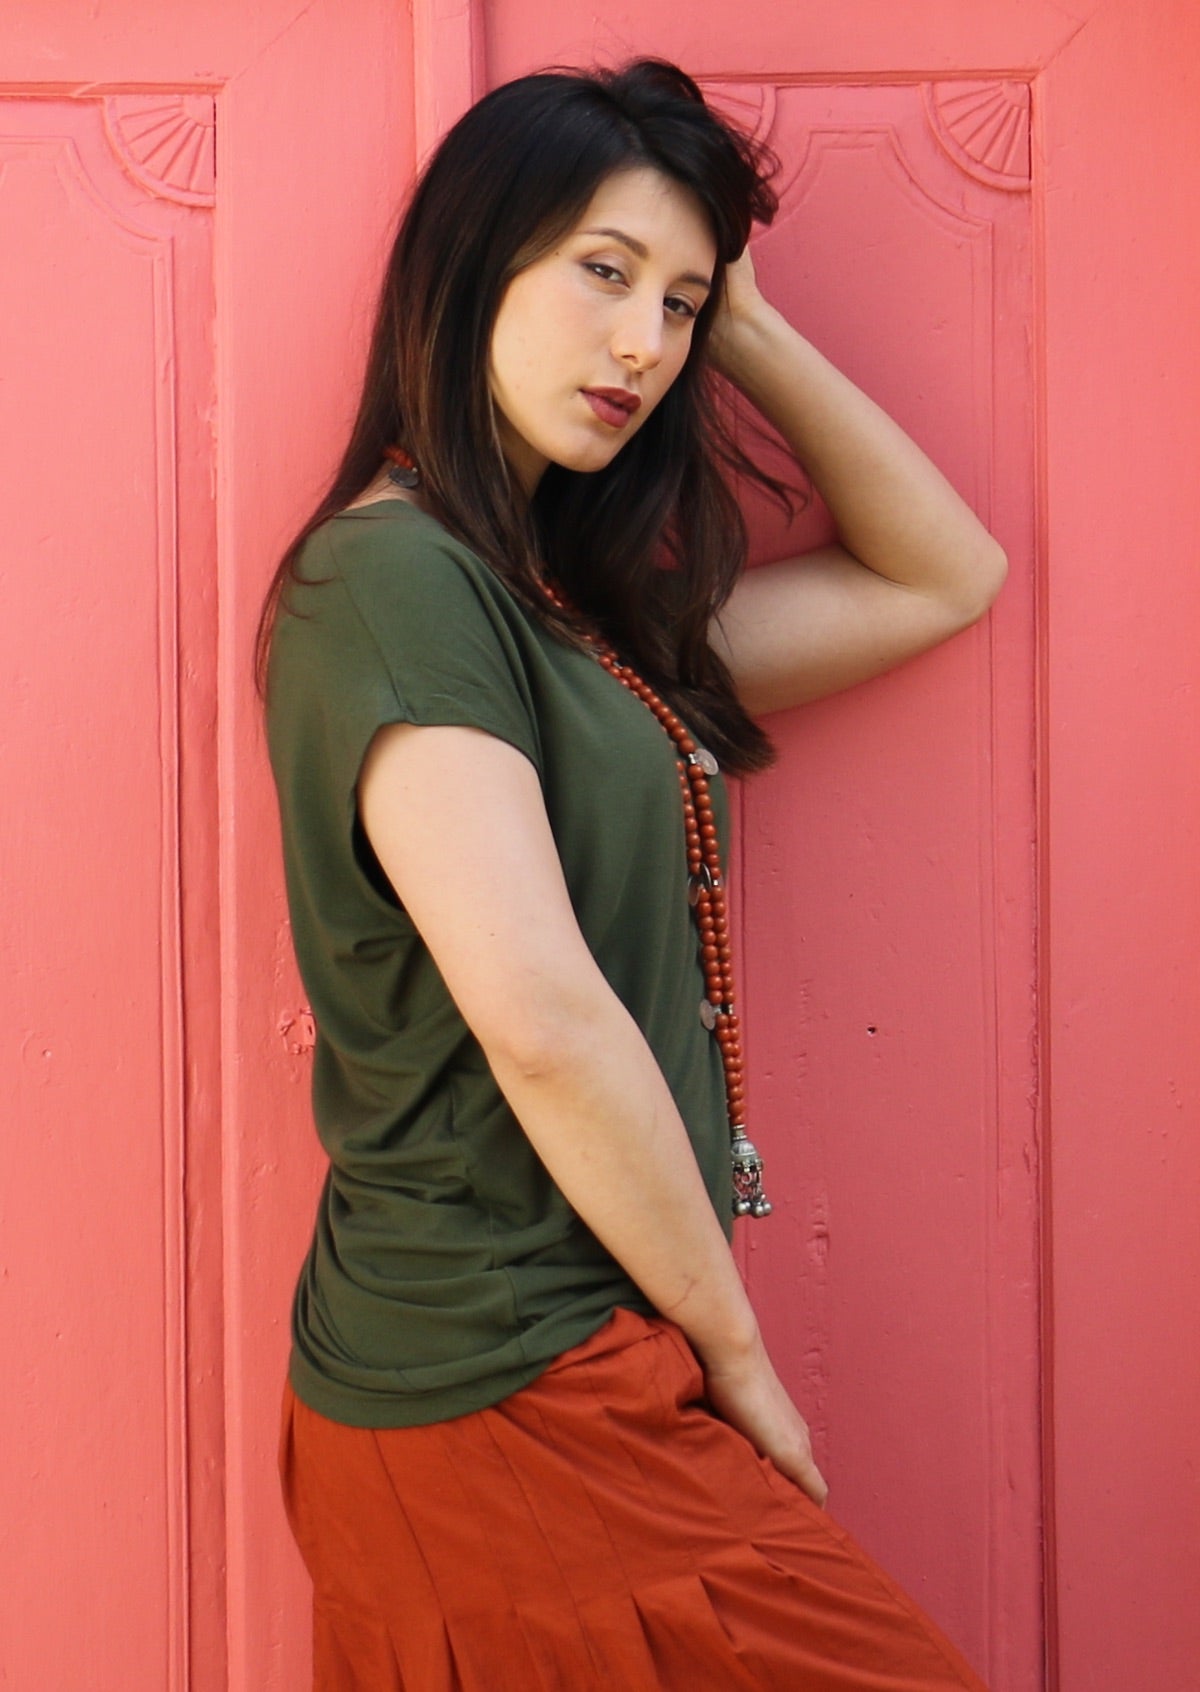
x=298 y=1031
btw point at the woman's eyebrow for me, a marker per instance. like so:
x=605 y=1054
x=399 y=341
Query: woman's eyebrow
x=642 y=251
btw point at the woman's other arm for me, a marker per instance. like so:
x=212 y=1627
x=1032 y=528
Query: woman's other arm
x=914 y=564
x=457 y=820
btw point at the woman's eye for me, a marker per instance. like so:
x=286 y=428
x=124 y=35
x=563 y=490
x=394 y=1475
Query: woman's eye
x=606 y=272
x=680 y=307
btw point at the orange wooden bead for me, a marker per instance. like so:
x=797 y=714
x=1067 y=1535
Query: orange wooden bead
x=702 y=850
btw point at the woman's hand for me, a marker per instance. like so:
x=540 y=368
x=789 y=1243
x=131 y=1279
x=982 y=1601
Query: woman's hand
x=749 y=1395
x=740 y=304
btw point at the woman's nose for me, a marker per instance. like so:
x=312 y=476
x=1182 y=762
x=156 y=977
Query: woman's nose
x=638 y=340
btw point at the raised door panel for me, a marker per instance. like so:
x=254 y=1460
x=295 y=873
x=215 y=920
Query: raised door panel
x=107 y=665
x=887 y=894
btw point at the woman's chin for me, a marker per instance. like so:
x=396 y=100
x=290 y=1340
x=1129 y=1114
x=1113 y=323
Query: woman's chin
x=587 y=460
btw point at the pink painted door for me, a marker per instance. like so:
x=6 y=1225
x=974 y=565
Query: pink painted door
x=969 y=896
x=968 y=899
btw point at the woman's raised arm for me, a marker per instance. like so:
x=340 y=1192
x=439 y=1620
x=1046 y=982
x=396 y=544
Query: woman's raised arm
x=914 y=564
x=457 y=820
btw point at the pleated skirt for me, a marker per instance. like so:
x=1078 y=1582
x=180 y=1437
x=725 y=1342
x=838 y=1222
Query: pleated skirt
x=599 y=1531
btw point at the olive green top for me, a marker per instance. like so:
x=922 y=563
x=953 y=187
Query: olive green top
x=446 y=1269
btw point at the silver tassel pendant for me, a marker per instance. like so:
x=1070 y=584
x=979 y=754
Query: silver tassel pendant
x=748 y=1196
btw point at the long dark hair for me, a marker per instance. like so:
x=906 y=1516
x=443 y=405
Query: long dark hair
x=649 y=547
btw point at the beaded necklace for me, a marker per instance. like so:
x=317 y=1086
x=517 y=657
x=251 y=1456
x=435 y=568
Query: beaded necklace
x=706 y=889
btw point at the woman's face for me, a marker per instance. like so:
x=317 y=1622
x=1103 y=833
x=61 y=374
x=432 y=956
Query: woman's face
x=599 y=323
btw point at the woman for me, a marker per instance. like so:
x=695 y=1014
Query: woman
x=531 y=1434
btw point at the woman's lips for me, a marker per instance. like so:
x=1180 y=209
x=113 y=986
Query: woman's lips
x=612 y=405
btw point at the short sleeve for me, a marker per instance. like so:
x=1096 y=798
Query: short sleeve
x=389 y=620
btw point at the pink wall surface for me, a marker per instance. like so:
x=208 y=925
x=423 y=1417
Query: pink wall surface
x=1120 y=764
x=968 y=904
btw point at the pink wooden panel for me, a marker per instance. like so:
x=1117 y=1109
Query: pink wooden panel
x=106 y=309
x=887 y=893
x=320 y=149
x=823 y=40
x=1122 y=845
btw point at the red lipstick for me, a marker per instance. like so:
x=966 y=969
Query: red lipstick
x=614 y=406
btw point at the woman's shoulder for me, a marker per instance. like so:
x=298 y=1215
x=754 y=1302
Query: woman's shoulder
x=387 y=582
x=392 y=552
x=394 y=618
x=390 y=532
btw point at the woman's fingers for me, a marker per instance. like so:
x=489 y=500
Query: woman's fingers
x=753 y=1400
x=794 y=1458
x=741 y=292
x=807 y=1476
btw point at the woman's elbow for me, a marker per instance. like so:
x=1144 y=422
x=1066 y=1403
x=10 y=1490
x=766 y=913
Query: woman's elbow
x=981 y=582
x=538 y=1034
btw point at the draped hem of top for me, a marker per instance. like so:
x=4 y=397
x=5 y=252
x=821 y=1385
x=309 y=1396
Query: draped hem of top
x=378 y=1408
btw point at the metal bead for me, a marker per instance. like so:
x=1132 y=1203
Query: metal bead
x=748 y=1196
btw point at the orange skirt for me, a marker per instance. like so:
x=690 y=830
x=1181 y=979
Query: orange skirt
x=599 y=1531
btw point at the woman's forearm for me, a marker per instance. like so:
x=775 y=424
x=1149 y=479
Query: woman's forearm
x=894 y=510
x=602 y=1119
x=595 y=1107
x=458 y=821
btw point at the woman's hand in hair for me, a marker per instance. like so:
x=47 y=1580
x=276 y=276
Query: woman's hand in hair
x=737 y=308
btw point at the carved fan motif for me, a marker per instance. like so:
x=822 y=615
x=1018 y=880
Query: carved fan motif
x=750 y=106
x=984 y=127
x=167 y=142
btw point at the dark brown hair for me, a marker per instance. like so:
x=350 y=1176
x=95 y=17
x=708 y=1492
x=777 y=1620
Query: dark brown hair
x=649 y=547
